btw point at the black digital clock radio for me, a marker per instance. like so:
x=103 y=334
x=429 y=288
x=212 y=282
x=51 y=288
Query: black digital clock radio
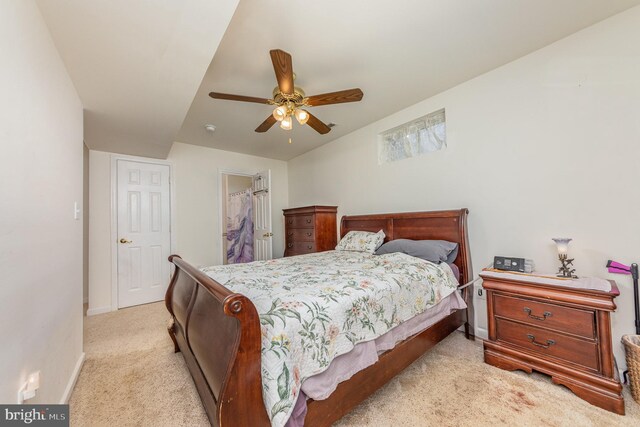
x=513 y=264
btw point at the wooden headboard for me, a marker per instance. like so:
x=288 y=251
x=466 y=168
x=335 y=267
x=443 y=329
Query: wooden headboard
x=436 y=225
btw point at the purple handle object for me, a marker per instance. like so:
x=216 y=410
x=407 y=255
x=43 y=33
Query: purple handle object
x=616 y=267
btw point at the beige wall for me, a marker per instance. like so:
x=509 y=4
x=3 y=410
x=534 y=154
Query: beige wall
x=40 y=179
x=198 y=225
x=197 y=207
x=85 y=223
x=546 y=146
x=99 y=232
x=237 y=183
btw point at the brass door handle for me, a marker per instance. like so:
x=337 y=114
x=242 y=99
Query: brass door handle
x=267 y=235
x=123 y=240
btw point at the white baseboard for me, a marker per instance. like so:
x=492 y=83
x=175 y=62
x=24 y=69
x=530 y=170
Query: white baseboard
x=72 y=381
x=98 y=310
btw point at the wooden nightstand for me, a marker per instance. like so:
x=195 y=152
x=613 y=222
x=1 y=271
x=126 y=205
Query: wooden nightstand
x=560 y=330
x=310 y=229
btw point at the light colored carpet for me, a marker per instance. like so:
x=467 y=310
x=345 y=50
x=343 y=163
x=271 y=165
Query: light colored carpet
x=131 y=377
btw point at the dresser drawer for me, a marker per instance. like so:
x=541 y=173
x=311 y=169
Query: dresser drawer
x=300 y=221
x=565 y=319
x=300 y=235
x=299 y=248
x=548 y=343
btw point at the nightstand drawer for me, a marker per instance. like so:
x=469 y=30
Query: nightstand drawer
x=299 y=221
x=553 y=316
x=299 y=248
x=300 y=235
x=548 y=343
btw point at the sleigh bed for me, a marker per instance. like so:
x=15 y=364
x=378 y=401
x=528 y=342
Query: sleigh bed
x=219 y=332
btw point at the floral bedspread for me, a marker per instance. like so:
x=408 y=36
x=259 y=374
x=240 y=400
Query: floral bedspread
x=316 y=307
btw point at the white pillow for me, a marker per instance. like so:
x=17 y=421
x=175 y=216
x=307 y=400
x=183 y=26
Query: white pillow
x=361 y=241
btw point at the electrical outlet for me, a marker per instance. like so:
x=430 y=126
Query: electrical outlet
x=28 y=390
x=480 y=293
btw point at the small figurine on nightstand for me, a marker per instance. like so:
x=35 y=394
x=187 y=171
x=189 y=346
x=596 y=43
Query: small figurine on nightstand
x=565 y=269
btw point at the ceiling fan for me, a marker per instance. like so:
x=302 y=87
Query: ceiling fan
x=290 y=100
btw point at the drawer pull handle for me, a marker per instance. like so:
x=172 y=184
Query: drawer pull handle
x=309 y=234
x=308 y=221
x=290 y=221
x=290 y=245
x=309 y=246
x=544 y=315
x=534 y=342
x=290 y=233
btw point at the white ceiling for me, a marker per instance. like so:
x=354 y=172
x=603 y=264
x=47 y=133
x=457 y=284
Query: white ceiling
x=137 y=64
x=397 y=52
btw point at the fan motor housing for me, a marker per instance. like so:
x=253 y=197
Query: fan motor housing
x=282 y=98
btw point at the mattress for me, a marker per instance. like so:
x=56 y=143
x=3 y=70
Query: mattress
x=365 y=354
x=314 y=308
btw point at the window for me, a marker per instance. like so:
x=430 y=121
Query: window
x=414 y=138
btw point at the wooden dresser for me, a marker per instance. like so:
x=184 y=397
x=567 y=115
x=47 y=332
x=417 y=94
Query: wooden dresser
x=310 y=229
x=562 y=331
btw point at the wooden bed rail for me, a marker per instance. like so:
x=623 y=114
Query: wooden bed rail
x=219 y=334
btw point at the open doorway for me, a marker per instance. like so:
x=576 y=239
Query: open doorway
x=245 y=217
x=237 y=218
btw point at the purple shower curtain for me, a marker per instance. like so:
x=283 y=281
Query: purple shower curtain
x=240 y=227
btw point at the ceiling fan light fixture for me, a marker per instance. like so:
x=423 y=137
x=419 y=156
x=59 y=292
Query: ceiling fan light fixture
x=286 y=123
x=288 y=99
x=280 y=112
x=302 y=116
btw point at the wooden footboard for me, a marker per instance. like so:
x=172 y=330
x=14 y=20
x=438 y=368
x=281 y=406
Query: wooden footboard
x=218 y=332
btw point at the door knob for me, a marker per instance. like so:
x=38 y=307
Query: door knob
x=123 y=240
x=267 y=235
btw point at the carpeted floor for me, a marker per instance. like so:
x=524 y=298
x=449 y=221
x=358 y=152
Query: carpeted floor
x=131 y=377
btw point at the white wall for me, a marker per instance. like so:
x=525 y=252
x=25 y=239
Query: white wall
x=546 y=146
x=198 y=224
x=40 y=179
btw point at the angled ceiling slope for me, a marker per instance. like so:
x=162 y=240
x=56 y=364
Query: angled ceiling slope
x=398 y=53
x=136 y=64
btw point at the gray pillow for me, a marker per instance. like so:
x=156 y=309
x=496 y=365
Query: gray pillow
x=453 y=254
x=431 y=250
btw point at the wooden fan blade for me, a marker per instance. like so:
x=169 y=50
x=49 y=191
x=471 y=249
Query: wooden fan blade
x=217 y=95
x=266 y=125
x=349 y=95
x=317 y=124
x=283 y=67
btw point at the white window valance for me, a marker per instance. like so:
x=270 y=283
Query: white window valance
x=414 y=138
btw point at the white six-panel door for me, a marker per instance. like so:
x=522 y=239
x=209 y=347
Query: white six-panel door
x=262 y=235
x=144 y=235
